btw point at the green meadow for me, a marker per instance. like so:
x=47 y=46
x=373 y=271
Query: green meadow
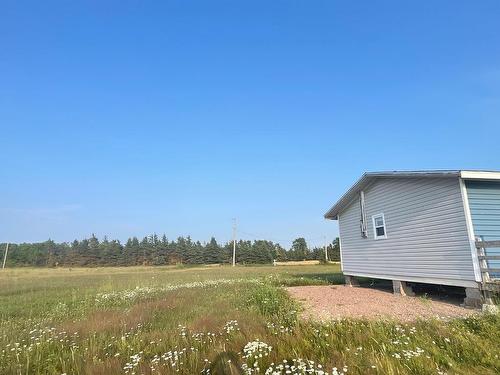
x=215 y=320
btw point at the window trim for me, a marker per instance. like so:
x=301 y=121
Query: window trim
x=375 y=227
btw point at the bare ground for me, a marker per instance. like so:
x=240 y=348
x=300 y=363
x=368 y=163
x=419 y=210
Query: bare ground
x=336 y=302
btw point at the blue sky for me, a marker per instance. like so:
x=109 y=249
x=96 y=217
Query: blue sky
x=131 y=117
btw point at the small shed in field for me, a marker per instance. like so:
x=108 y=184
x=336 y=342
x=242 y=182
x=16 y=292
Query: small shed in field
x=435 y=227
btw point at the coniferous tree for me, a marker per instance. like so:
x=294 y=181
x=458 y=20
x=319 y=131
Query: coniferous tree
x=155 y=251
x=243 y=252
x=212 y=253
x=83 y=252
x=299 y=250
x=73 y=257
x=93 y=251
x=334 y=250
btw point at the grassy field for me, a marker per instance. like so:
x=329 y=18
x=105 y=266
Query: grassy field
x=215 y=320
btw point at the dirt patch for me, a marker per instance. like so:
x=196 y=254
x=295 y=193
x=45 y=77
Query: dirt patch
x=336 y=302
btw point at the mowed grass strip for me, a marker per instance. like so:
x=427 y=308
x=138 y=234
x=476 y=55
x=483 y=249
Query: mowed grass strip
x=164 y=320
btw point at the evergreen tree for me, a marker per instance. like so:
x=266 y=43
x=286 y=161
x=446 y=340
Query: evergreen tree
x=279 y=253
x=145 y=251
x=94 y=253
x=243 y=252
x=262 y=252
x=213 y=252
x=299 y=250
x=334 y=250
x=83 y=253
x=73 y=257
x=155 y=251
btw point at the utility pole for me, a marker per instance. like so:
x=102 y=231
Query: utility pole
x=326 y=251
x=5 y=255
x=234 y=242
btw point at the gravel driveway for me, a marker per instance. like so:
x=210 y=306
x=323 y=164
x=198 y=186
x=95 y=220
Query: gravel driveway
x=334 y=302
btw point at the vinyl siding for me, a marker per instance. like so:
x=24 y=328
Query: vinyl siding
x=427 y=239
x=484 y=203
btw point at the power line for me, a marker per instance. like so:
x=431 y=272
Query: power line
x=261 y=237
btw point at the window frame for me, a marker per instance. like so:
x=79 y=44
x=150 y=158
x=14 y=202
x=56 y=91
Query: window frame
x=375 y=236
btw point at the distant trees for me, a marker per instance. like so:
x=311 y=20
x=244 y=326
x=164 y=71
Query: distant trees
x=153 y=250
x=212 y=252
x=299 y=249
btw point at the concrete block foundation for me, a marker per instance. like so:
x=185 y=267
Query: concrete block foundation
x=350 y=281
x=402 y=288
x=473 y=298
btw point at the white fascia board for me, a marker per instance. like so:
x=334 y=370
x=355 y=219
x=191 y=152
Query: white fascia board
x=477 y=175
x=340 y=245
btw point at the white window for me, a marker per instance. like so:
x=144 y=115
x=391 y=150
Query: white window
x=379 y=230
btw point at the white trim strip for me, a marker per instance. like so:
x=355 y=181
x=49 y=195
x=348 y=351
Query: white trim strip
x=340 y=245
x=478 y=175
x=470 y=231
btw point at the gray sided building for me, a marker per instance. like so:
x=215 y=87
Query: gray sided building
x=421 y=227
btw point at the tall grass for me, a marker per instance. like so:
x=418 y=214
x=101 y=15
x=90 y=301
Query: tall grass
x=215 y=321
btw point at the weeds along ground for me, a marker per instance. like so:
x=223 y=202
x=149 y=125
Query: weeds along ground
x=206 y=320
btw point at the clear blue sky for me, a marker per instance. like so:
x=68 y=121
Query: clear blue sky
x=131 y=117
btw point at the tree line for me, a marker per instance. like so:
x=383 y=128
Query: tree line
x=155 y=250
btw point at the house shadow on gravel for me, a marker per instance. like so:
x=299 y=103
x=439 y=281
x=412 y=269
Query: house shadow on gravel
x=446 y=294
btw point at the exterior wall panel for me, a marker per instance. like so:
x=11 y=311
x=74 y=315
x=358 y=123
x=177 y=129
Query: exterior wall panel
x=427 y=239
x=484 y=203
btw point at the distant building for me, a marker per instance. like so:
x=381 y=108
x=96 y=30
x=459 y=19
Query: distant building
x=422 y=227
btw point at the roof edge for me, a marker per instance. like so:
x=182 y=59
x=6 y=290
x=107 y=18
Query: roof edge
x=480 y=175
x=367 y=177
